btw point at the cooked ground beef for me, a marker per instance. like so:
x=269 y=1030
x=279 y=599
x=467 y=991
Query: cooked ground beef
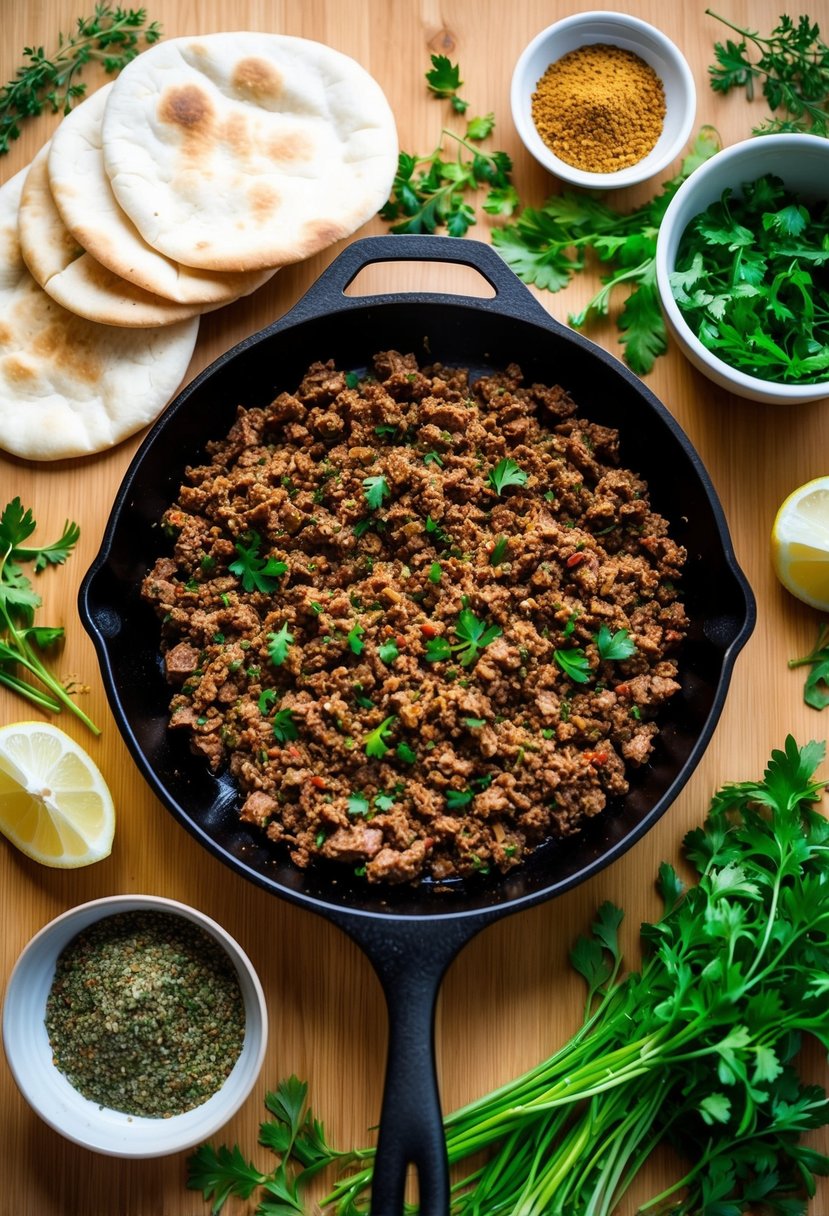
x=428 y=623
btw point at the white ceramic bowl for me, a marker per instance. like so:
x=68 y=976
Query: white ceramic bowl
x=802 y=163
x=631 y=34
x=58 y=1103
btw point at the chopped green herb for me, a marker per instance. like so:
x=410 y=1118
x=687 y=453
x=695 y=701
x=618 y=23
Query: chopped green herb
x=574 y=664
x=473 y=635
x=816 y=687
x=456 y=799
x=434 y=530
x=405 y=753
x=375 y=741
x=257 y=573
x=355 y=638
x=388 y=651
x=435 y=571
x=351 y=379
x=284 y=726
x=278 y=645
x=357 y=804
x=267 y=700
x=433 y=458
x=383 y=801
x=499 y=552
x=506 y=473
x=376 y=490
x=614 y=646
x=474 y=723
x=444 y=80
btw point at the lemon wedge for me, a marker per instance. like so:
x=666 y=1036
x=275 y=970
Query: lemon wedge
x=54 y=804
x=800 y=543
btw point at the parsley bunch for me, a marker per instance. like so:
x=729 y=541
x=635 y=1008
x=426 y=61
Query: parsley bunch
x=432 y=191
x=20 y=638
x=749 y=278
x=791 y=66
x=547 y=245
x=111 y=37
x=697 y=1048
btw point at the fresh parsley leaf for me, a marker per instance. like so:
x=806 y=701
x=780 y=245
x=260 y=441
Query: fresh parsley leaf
x=383 y=801
x=279 y=644
x=257 y=573
x=358 y=804
x=435 y=572
x=480 y=128
x=267 y=700
x=506 y=473
x=574 y=663
x=474 y=723
x=438 y=649
x=284 y=726
x=474 y=635
x=816 y=687
x=437 y=533
x=444 y=80
x=220 y=1173
x=405 y=753
x=388 y=651
x=376 y=745
x=376 y=491
x=433 y=458
x=457 y=799
x=499 y=551
x=614 y=646
x=355 y=638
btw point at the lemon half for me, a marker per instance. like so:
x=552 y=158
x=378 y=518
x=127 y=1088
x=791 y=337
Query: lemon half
x=800 y=543
x=54 y=804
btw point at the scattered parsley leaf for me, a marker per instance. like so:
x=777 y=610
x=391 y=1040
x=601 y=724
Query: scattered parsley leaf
x=444 y=80
x=257 y=573
x=388 y=651
x=383 y=801
x=278 y=645
x=433 y=458
x=474 y=723
x=375 y=741
x=267 y=700
x=376 y=490
x=434 y=530
x=614 y=646
x=405 y=753
x=456 y=799
x=506 y=473
x=357 y=804
x=816 y=687
x=499 y=551
x=480 y=128
x=284 y=726
x=574 y=663
x=473 y=635
x=355 y=638
x=435 y=572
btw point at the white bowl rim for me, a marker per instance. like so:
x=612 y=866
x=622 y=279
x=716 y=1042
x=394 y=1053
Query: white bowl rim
x=179 y=1132
x=633 y=174
x=769 y=390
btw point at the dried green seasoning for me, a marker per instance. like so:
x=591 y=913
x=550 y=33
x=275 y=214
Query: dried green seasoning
x=145 y=1014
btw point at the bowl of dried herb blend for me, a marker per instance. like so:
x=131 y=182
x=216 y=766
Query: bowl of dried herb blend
x=603 y=100
x=134 y=1025
x=742 y=268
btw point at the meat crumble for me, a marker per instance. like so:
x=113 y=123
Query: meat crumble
x=425 y=620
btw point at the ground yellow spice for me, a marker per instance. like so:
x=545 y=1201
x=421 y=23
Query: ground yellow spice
x=599 y=108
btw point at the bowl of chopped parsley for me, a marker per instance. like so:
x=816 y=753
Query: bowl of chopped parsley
x=134 y=1025
x=742 y=265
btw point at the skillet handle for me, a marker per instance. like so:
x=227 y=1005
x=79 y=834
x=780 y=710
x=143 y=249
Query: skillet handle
x=410 y=958
x=328 y=293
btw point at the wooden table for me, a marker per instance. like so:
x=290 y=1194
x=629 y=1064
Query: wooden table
x=511 y=997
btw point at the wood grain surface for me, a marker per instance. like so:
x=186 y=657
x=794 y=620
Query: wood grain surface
x=510 y=997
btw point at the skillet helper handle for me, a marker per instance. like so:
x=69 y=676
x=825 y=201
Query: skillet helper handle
x=328 y=293
x=410 y=959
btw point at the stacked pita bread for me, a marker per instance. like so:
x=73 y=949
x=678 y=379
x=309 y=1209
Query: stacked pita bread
x=186 y=183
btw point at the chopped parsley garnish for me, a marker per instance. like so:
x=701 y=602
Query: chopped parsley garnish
x=257 y=573
x=616 y=645
x=456 y=799
x=357 y=804
x=388 y=651
x=375 y=741
x=435 y=571
x=376 y=490
x=383 y=801
x=473 y=635
x=405 y=753
x=474 y=723
x=433 y=458
x=355 y=638
x=278 y=645
x=573 y=662
x=499 y=552
x=351 y=379
x=284 y=727
x=434 y=530
x=267 y=700
x=506 y=473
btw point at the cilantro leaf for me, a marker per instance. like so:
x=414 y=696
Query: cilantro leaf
x=278 y=645
x=355 y=638
x=614 y=646
x=257 y=573
x=444 y=80
x=358 y=804
x=376 y=490
x=375 y=741
x=284 y=726
x=574 y=663
x=480 y=128
x=474 y=635
x=388 y=651
x=506 y=473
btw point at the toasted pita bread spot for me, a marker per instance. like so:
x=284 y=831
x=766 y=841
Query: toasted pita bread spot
x=192 y=125
x=83 y=196
x=256 y=78
x=70 y=350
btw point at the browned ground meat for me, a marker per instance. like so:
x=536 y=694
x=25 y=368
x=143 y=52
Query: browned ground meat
x=415 y=659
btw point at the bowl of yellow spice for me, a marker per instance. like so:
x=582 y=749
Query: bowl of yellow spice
x=603 y=100
x=134 y=1025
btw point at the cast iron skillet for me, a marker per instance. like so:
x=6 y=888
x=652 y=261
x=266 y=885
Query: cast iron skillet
x=411 y=935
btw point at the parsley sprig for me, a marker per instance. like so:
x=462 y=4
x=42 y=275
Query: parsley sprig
x=791 y=66
x=547 y=245
x=473 y=635
x=257 y=573
x=816 y=686
x=444 y=80
x=749 y=280
x=694 y=1051
x=20 y=638
x=111 y=37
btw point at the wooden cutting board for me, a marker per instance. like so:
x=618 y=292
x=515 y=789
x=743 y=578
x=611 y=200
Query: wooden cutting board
x=511 y=997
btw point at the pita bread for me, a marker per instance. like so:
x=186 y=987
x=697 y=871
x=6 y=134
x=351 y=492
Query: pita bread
x=71 y=276
x=70 y=387
x=239 y=151
x=83 y=196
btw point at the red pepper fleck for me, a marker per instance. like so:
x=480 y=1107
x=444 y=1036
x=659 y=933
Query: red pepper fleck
x=622 y=690
x=294 y=753
x=429 y=630
x=318 y=782
x=575 y=559
x=594 y=758
x=400 y=641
